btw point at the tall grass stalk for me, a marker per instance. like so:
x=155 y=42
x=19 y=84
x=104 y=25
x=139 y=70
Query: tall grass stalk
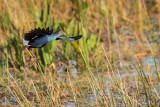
x=114 y=32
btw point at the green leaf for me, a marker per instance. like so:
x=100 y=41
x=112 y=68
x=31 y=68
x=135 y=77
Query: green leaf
x=92 y=42
x=7 y=21
x=84 y=5
x=46 y=11
x=67 y=50
x=39 y=23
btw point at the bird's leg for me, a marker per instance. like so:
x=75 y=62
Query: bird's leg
x=28 y=51
x=29 y=64
x=33 y=56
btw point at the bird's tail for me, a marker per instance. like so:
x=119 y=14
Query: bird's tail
x=25 y=42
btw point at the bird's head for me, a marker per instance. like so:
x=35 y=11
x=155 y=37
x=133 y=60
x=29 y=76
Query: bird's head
x=60 y=33
x=57 y=34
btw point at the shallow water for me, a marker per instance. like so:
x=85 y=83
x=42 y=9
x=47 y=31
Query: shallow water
x=124 y=75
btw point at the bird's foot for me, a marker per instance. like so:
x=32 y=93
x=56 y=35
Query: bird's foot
x=32 y=61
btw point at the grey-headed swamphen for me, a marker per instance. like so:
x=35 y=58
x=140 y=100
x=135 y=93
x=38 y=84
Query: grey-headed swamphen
x=38 y=38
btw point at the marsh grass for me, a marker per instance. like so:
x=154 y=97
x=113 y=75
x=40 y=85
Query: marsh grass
x=117 y=36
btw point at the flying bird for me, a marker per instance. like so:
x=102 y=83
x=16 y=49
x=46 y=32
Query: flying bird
x=38 y=38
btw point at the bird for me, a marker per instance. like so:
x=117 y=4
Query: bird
x=38 y=38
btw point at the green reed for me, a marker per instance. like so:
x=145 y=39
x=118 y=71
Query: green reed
x=101 y=53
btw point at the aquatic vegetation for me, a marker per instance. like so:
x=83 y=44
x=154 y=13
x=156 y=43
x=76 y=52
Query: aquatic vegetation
x=116 y=63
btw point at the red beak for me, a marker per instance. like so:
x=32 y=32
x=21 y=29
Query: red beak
x=63 y=32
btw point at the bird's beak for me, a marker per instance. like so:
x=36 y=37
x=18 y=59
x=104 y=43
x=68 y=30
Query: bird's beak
x=63 y=32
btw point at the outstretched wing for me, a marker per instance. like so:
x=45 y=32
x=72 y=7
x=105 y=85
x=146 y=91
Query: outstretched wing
x=70 y=38
x=37 y=33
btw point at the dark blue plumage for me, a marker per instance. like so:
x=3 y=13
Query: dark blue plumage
x=40 y=42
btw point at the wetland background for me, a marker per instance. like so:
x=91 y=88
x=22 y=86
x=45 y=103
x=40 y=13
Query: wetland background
x=116 y=63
